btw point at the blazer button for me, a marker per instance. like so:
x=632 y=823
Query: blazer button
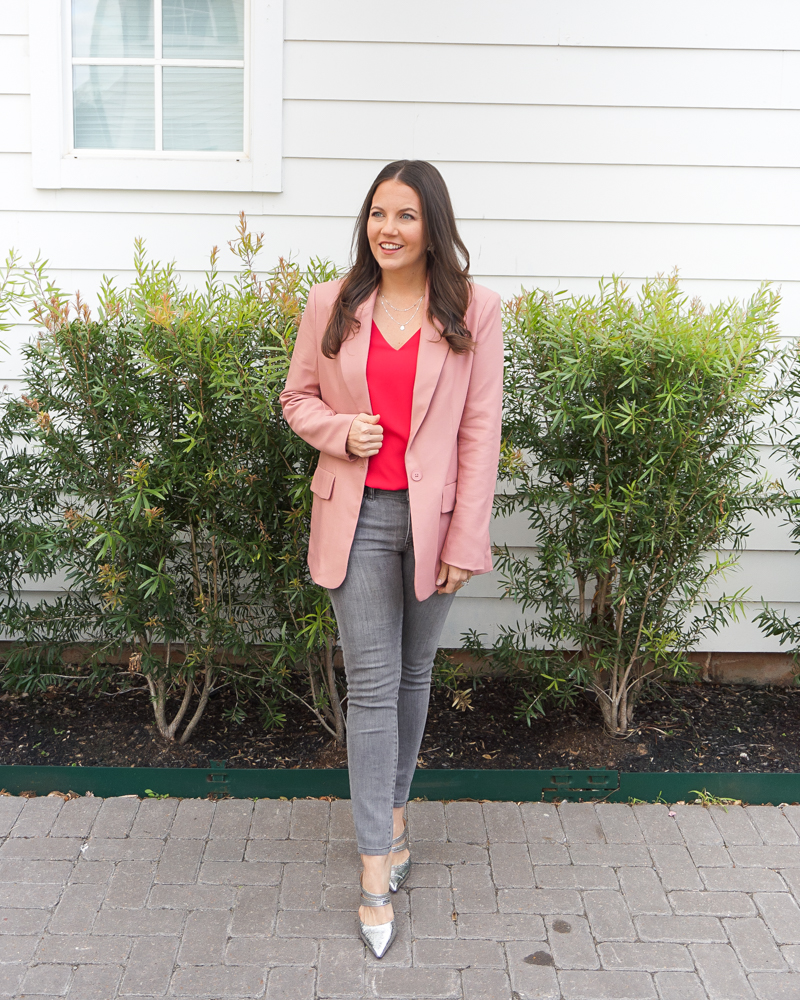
x=416 y=476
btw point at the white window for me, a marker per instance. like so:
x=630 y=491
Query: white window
x=169 y=94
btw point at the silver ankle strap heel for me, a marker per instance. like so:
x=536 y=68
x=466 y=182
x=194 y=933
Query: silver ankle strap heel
x=399 y=873
x=377 y=937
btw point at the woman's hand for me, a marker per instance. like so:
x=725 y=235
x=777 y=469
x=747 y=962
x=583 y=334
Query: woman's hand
x=451 y=578
x=366 y=435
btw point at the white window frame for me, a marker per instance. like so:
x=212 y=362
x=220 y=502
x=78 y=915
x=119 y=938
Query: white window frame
x=57 y=164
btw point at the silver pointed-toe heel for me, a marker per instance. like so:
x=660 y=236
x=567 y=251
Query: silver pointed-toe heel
x=399 y=873
x=377 y=937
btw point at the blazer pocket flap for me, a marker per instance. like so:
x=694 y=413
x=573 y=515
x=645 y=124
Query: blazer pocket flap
x=322 y=483
x=449 y=497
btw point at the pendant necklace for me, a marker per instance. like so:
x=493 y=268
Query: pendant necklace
x=414 y=306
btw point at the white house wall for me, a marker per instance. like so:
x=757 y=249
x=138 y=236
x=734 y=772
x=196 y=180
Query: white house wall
x=578 y=138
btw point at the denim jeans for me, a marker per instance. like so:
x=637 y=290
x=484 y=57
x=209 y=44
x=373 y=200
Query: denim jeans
x=389 y=640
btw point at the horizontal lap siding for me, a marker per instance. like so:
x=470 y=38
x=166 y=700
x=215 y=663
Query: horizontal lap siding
x=578 y=140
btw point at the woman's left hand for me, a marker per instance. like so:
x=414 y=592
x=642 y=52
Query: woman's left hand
x=450 y=578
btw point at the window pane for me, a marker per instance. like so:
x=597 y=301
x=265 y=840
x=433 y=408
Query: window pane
x=203 y=108
x=203 y=29
x=107 y=29
x=114 y=107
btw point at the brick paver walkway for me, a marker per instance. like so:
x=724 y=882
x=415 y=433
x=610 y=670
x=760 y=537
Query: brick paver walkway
x=234 y=899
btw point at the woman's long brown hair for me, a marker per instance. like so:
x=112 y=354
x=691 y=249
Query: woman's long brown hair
x=449 y=282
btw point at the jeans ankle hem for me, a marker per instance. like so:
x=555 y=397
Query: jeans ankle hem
x=373 y=853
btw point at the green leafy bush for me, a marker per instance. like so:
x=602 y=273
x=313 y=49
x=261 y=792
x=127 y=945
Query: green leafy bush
x=147 y=464
x=630 y=429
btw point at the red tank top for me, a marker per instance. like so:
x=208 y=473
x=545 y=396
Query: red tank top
x=390 y=379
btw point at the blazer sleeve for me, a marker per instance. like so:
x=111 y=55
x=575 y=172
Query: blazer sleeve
x=467 y=540
x=301 y=400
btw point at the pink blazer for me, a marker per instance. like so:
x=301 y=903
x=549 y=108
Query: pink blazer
x=453 y=447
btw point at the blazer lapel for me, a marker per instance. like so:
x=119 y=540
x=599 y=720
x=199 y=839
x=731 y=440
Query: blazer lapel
x=433 y=350
x=353 y=356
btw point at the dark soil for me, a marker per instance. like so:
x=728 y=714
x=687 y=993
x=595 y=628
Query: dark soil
x=696 y=727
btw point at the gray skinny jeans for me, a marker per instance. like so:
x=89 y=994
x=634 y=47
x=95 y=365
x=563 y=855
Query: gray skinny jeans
x=389 y=640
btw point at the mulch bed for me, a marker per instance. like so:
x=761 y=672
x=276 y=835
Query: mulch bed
x=698 y=727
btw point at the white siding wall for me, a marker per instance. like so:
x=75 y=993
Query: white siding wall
x=578 y=137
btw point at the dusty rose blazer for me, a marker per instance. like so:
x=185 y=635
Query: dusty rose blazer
x=453 y=447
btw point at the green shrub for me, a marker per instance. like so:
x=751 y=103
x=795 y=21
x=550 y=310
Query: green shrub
x=630 y=447
x=148 y=464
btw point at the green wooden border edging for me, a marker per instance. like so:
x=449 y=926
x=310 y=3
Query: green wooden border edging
x=513 y=785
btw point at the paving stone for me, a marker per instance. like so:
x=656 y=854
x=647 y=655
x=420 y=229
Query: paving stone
x=271 y=818
x=83 y=949
x=255 y=910
x=675 y=867
x=341 y=821
x=17 y=947
x=224 y=850
x=511 y=866
x=33 y=894
x=50 y=979
x=340 y=972
x=608 y=916
x=432 y=913
x=430 y=984
x=710 y=856
x=539 y=901
x=123 y=850
x=10 y=808
x=116 y=817
x=679 y=986
x=438 y=876
x=657 y=825
x=742 y=880
x=130 y=884
x=542 y=823
x=449 y=854
x=240 y=873
x=290 y=983
x=766 y=857
x=644 y=957
x=571 y=942
x=791 y=954
x=149 y=969
x=503 y=822
x=237 y=981
x=611 y=855
x=501 y=927
x=610 y=985
x=309 y=820
x=41 y=848
x=528 y=978
x=10 y=979
x=696 y=825
x=204 y=938
x=776 y=986
x=772 y=825
x=465 y=823
x=682 y=930
x=486 y=984
x=192 y=897
x=579 y=877
x=193 y=819
x=426 y=821
x=720 y=972
x=37 y=817
x=459 y=954
x=232 y=819
x=713 y=904
x=316 y=924
x=301 y=887
x=619 y=824
x=179 y=862
x=734 y=825
x=22 y=870
x=22 y=921
x=473 y=889
x=792 y=814
x=265 y=951
x=77 y=911
x=76 y=818
x=154 y=818
x=96 y=872
x=95 y=982
x=791 y=876
x=754 y=946
x=285 y=850
x=782 y=915
x=139 y=922
x=580 y=823
x=549 y=854
x=643 y=891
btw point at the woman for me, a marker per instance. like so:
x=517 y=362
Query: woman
x=396 y=378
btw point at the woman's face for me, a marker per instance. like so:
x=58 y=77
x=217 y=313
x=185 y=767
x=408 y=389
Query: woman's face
x=395 y=228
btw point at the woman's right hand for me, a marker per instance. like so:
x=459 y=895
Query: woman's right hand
x=366 y=435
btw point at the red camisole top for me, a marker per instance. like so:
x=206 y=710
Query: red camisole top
x=390 y=379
